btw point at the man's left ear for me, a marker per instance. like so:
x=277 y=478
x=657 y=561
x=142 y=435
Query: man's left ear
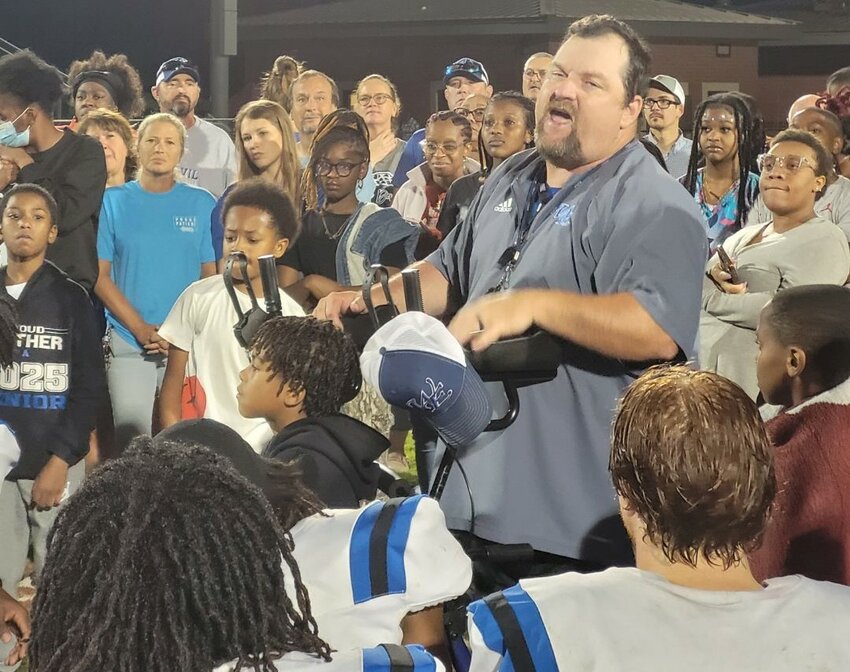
x=820 y=181
x=53 y=235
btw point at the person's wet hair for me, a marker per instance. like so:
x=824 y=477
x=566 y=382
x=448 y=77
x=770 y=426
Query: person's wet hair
x=690 y=456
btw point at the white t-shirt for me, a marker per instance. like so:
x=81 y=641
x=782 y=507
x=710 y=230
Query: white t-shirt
x=201 y=323
x=15 y=291
x=368 y=660
x=357 y=606
x=210 y=158
x=625 y=619
x=833 y=206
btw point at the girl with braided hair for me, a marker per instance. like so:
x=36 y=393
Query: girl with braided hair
x=724 y=189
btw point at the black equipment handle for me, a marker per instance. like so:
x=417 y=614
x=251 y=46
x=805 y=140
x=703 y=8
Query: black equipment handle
x=271 y=294
x=382 y=314
x=412 y=290
x=232 y=258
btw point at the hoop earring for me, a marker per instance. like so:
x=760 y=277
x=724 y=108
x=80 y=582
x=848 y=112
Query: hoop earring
x=359 y=184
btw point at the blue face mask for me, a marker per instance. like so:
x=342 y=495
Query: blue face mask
x=9 y=137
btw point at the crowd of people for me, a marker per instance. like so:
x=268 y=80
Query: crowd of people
x=188 y=498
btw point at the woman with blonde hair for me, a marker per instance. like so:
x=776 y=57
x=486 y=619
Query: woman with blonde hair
x=265 y=147
x=153 y=241
x=377 y=101
x=117 y=137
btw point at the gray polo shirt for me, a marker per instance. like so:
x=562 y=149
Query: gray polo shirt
x=678 y=156
x=544 y=480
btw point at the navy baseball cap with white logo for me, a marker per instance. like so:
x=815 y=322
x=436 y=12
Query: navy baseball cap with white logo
x=466 y=67
x=416 y=364
x=177 y=66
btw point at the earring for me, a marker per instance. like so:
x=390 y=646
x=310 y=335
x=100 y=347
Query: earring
x=359 y=184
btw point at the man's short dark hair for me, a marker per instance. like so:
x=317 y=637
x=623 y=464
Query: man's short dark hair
x=839 y=78
x=38 y=190
x=271 y=199
x=815 y=318
x=316 y=73
x=635 y=77
x=32 y=81
x=691 y=457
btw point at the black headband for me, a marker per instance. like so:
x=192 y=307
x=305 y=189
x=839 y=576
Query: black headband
x=108 y=80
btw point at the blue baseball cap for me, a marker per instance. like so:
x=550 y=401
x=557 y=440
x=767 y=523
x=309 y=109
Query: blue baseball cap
x=466 y=67
x=416 y=364
x=176 y=66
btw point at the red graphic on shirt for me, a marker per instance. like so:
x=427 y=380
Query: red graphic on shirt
x=194 y=399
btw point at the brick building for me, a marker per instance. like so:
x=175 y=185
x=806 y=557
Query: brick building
x=707 y=48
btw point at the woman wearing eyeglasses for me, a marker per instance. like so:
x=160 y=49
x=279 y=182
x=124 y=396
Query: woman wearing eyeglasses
x=342 y=237
x=420 y=199
x=795 y=247
x=376 y=100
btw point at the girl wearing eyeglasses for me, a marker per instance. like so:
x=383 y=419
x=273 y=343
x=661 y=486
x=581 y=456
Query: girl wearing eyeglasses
x=795 y=247
x=341 y=237
x=376 y=100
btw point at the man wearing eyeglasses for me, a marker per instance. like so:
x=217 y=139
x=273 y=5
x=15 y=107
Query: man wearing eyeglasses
x=663 y=106
x=464 y=78
x=534 y=72
x=210 y=157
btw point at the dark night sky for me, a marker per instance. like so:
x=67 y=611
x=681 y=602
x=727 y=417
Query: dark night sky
x=148 y=31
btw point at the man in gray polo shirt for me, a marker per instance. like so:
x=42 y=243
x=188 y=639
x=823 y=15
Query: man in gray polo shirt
x=588 y=239
x=663 y=107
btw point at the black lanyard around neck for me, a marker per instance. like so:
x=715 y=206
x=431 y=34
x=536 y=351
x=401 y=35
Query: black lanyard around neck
x=537 y=198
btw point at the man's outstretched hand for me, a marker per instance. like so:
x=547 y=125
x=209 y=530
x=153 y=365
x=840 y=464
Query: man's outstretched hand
x=494 y=317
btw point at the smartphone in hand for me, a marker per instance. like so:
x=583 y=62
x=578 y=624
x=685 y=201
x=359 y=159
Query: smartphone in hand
x=727 y=265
